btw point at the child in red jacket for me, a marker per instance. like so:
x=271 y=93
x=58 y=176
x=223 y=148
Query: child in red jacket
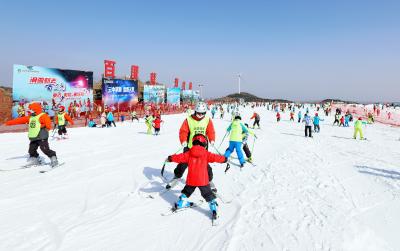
x=157 y=125
x=197 y=159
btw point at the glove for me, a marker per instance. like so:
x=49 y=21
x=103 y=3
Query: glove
x=184 y=144
x=169 y=159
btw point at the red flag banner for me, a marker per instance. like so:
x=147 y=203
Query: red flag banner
x=109 y=69
x=134 y=72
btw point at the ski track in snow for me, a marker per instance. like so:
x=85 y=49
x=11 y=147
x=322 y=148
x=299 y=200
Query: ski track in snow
x=328 y=192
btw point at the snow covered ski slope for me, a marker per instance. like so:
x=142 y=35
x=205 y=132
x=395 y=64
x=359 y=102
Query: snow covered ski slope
x=328 y=192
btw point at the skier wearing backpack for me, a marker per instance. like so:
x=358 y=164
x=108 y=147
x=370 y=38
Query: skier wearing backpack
x=38 y=133
x=197 y=159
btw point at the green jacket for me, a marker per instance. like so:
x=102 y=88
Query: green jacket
x=236 y=129
x=358 y=124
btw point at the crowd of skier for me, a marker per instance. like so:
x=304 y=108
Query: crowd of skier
x=196 y=135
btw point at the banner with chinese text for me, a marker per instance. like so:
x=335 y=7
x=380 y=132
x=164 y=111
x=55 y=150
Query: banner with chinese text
x=52 y=88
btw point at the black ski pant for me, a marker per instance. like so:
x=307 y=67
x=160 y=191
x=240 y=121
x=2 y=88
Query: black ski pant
x=62 y=130
x=111 y=122
x=246 y=150
x=181 y=167
x=44 y=146
x=256 y=122
x=205 y=191
x=135 y=118
x=307 y=131
x=336 y=121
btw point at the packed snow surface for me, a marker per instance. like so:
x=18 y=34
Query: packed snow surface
x=329 y=192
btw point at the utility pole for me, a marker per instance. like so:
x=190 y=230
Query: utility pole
x=201 y=90
x=239 y=75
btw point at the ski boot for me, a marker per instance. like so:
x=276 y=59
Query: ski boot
x=250 y=160
x=33 y=161
x=53 y=161
x=183 y=202
x=213 y=207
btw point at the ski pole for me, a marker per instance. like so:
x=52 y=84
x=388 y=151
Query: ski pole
x=227 y=167
x=223 y=140
x=252 y=147
x=165 y=162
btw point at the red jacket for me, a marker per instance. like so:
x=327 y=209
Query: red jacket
x=157 y=123
x=184 y=132
x=197 y=159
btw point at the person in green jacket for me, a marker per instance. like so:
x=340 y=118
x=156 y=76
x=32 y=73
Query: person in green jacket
x=149 y=121
x=236 y=130
x=358 y=128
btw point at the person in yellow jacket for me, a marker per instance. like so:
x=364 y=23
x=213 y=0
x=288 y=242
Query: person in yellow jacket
x=149 y=123
x=236 y=130
x=358 y=128
x=61 y=120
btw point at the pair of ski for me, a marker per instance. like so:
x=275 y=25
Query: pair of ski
x=174 y=210
x=43 y=164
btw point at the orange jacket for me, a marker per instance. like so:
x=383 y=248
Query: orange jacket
x=184 y=131
x=44 y=120
x=254 y=116
x=66 y=116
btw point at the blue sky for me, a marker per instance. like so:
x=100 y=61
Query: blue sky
x=300 y=50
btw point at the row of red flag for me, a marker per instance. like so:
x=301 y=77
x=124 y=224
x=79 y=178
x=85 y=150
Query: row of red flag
x=109 y=72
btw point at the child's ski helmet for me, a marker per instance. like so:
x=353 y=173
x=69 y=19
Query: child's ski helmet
x=201 y=107
x=200 y=139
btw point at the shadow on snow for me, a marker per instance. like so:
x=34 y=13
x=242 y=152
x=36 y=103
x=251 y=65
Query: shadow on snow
x=379 y=172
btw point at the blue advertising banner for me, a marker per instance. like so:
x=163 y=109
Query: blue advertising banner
x=154 y=94
x=119 y=93
x=174 y=95
x=52 y=88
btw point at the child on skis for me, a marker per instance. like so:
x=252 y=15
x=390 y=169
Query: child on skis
x=316 y=121
x=157 y=125
x=236 y=130
x=61 y=121
x=110 y=119
x=256 y=118
x=244 y=143
x=291 y=116
x=278 y=117
x=38 y=133
x=197 y=159
x=307 y=129
x=134 y=116
x=341 y=121
x=149 y=121
x=299 y=116
x=358 y=128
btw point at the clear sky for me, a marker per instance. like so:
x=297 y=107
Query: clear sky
x=300 y=50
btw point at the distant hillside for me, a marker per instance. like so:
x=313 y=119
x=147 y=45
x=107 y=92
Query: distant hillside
x=247 y=98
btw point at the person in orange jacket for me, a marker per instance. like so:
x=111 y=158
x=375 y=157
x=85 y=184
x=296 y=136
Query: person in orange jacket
x=61 y=121
x=256 y=118
x=194 y=124
x=38 y=133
